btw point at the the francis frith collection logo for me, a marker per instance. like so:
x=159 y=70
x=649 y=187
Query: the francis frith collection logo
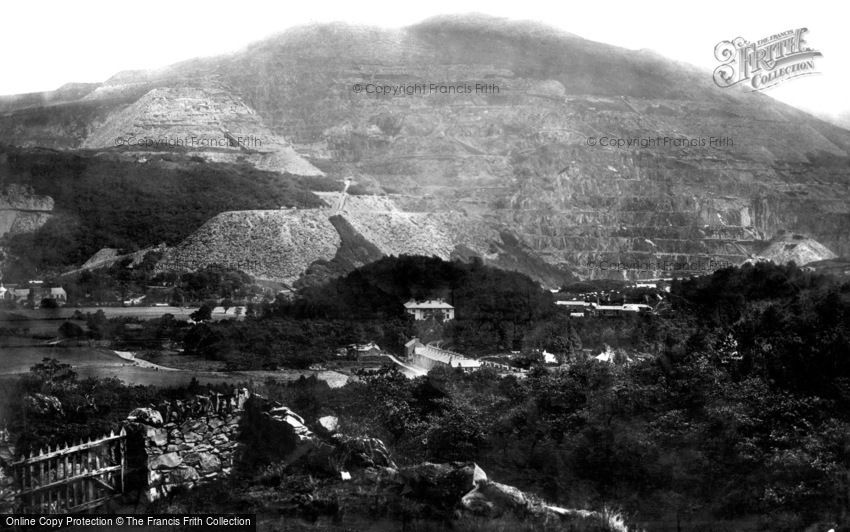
x=764 y=63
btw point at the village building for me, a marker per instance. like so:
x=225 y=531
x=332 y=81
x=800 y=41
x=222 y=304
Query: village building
x=20 y=295
x=32 y=293
x=432 y=308
x=134 y=301
x=429 y=356
x=219 y=313
x=549 y=358
x=58 y=294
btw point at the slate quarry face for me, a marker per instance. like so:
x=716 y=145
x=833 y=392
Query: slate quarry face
x=524 y=167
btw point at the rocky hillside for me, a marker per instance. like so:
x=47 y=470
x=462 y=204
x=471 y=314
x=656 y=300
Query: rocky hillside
x=527 y=157
x=211 y=121
x=22 y=211
x=307 y=246
x=269 y=245
x=327 y=477
x=798 y=249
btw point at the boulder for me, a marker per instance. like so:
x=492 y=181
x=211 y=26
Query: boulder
x=328 y=424
x=158 y=436
x=282 y=412
x=361 y=453
x=192 y=458
x=148 y=416
x=183 y=475
x=165 y=461
x=495 y=499
x=478 y=503
x=193 y=426
x=209 y=463
x=439 y=485
x=219 y=439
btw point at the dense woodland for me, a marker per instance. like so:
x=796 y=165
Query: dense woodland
x=495 y=311
x=743 y=415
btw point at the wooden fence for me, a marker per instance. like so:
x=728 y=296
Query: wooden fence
x=72 y=478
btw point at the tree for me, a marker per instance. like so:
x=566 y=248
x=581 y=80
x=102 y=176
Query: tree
x=204 y=313
x=70 y=329
x=98 y=325
x=49 y=303
x=456 y=435
x=51 y=371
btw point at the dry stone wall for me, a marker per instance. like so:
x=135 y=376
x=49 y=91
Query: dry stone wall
x=8 y=489
x=184 y=443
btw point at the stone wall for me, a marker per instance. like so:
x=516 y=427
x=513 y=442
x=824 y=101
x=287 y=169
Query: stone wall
x=8 y=489
x=183 y=443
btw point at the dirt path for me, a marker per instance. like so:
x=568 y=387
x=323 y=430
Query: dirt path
x=131 y=357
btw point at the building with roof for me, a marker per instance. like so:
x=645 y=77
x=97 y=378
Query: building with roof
x=58 y=293
x=431 y=308
x=429 y=356
x=20 y=295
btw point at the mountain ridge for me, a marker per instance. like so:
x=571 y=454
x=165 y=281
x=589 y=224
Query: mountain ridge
x=519 y=160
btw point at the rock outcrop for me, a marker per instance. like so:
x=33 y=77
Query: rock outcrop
x=338 y=476
x=22 y=211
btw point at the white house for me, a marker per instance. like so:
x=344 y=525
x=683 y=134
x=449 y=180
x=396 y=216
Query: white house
x=58 y=293
x=423 y=310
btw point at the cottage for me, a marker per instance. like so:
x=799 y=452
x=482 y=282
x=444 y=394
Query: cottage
x=20 y=295
x=549 y=358
x=58 y=293
x=432 y=308
x=220 y=313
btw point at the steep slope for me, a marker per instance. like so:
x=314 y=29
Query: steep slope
x=797 y=249
x=269 y=245
x=521 y=154
x=211 y=121
x=305 y=247
x=524 y=154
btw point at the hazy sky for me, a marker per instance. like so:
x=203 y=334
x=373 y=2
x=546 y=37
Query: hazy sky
x=46 y=44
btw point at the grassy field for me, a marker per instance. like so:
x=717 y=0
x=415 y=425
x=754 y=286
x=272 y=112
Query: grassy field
x=101 y=362
x=145 y=313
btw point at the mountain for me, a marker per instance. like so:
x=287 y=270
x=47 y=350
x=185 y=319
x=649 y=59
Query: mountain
x=502 y=167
